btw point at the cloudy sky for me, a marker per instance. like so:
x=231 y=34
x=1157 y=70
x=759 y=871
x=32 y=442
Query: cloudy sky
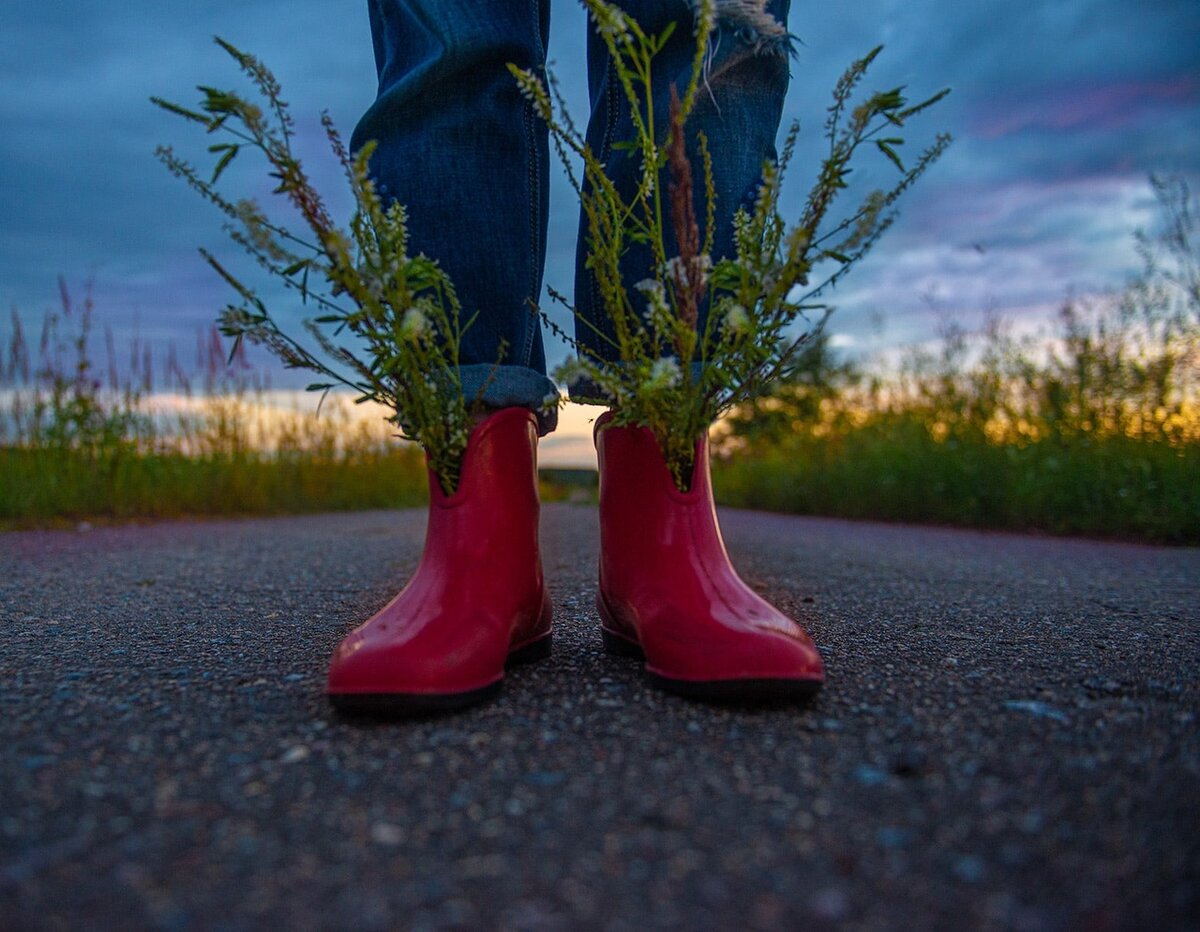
x=1060 y=110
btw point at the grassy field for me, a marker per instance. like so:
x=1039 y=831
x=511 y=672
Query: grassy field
x=50 y=488
x=83 y=439
x=894 y=470
x=47 y=487
x=1090 y=427
x=990 y=432
x=88 y=439
x=979 y=435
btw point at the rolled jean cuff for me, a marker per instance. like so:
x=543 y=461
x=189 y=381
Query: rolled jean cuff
x=511 y=387
x=584 y=391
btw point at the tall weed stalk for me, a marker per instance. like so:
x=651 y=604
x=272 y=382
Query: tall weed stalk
x=746 y=341
x=1090 y=426
x=388 y=324
x=136 y=433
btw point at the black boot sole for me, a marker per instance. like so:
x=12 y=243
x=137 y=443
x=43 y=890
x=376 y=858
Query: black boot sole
x=393 y=705
x=767 y=691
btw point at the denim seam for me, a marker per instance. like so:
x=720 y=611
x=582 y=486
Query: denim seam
x=610 y=129
x=526 y=349
x=534 y=193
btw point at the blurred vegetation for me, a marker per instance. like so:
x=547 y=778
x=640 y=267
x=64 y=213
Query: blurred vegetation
x=1093 y=427
x=132 y=439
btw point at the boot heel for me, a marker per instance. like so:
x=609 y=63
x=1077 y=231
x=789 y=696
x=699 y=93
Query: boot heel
x=621 y=646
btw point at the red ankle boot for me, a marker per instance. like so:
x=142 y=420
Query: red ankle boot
x=668 y=593
x=477 y=601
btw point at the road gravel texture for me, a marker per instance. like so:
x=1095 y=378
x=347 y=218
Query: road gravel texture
x=1007 y=740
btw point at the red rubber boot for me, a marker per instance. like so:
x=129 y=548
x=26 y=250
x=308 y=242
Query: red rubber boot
x=669 y=594
x=477 y=601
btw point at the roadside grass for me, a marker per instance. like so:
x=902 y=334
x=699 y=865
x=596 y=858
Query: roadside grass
x=893 y=470
x=1089 y=427
x=1081 y=432
x=99 y=440
x=982 y=435
x=1072 y=434
x=47 y=487
x=51 y=488
x=142 y=437
x=934 y=443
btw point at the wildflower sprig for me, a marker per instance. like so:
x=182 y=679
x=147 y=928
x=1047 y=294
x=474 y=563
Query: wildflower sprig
x=400 y=312
x=754 y=299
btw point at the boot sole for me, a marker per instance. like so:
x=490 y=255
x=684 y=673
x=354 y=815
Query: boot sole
x=410 y=704
x=769 y=690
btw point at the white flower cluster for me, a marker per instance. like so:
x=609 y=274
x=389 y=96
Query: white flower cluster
x=649 y=171
x=651 y=287
x=414 y=324
x=609 y=20
x=658 y=310
x=664 y=374
x=766 y=277
x=570 y=372
x=655 y=295
x=532 y=89
x=678 y=269
x=737 y=320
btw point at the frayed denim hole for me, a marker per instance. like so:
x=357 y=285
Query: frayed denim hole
x=754 y=24
x=734 y=48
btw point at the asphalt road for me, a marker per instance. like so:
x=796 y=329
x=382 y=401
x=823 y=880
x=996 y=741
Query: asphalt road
x=1008 y=739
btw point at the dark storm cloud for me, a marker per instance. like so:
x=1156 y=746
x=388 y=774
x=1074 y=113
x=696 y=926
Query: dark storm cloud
x=80 y=191
x=1059 y=109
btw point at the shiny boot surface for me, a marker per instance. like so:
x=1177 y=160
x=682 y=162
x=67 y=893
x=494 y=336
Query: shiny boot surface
x=477 y=602
x=669 y=594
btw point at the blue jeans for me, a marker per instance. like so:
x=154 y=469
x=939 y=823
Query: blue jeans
x=464 y=152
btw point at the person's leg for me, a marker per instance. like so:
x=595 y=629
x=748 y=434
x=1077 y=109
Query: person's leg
x=738 y=110
x=668 y=593
x=464 y=153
